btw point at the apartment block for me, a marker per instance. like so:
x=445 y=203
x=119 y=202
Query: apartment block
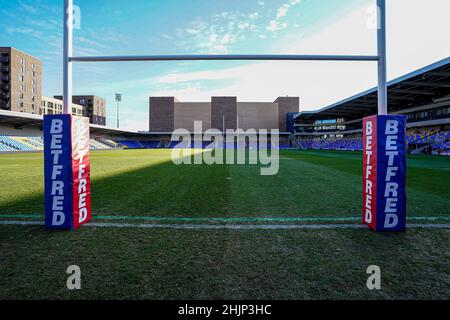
x=55 y=106
x=20 y=81
x=93 y=107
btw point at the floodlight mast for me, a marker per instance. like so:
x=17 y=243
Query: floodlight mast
x=380 y=57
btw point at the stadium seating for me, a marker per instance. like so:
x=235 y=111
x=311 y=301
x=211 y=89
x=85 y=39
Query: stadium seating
x=20 y=144
x=150 y=144
x=11 y=144
x=418 y=140
x=99 y=145
x=349 y=144
x=436 y=139
x=284 y=145
x=427 y=136
x=131 y=144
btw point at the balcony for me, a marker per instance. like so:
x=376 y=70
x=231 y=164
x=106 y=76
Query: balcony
x=4 y=69
x=4 y=78
x=4 y=99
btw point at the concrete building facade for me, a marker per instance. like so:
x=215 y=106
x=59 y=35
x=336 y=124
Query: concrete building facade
x=222 y=113
x=94 y=108
x=55 y=106
x=186 y=113
x=20 y=81
x=162 y=114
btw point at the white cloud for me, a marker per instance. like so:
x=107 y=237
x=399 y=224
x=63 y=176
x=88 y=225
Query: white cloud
x=411 y=45
x=244 y=25
x=274 y=26
x=282 y=11
x=218 y=33
x=253 y=16
x=213 y=38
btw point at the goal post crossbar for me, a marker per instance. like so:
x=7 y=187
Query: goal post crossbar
x=218 y=57
x=380 y=58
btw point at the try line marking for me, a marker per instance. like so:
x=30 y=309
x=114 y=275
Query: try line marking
x=225 y=219
x=226 y=226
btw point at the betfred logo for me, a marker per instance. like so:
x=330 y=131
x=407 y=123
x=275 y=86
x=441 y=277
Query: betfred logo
x=370 y=171
x=57 y=177
x=81 y=171
x=392 y=171
x=67 y=172
x=384 y=179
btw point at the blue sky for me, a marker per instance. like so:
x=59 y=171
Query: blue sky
x=118 y=27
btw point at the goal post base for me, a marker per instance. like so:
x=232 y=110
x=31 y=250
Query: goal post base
x=384 y=174
x=66 y=172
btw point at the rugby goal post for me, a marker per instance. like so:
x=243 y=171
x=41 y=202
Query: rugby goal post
x=384 y=207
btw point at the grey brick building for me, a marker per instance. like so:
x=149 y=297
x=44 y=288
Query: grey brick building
x=222 y=113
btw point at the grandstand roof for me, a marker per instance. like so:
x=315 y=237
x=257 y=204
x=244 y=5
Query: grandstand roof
x=423 y=86
x=21 y=120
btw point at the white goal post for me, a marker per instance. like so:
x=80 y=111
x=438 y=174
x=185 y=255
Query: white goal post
x=380 y=57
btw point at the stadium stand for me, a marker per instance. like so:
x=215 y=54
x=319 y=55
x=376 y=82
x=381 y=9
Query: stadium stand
x=130 y=144
x=13 y=143
x=352 y=144
x=99 y=145
x=423 y=96
x=419 y=141
x=150 y=144
x=19 y=143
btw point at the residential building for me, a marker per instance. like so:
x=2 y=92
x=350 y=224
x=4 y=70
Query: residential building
x=20 y=81
x=95 y=107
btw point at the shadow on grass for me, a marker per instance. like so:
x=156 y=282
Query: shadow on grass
x=160 y=189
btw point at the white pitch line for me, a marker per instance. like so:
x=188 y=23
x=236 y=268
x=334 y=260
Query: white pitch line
x=228 y=226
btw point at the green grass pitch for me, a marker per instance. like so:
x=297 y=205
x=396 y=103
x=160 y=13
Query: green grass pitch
x=143 y=186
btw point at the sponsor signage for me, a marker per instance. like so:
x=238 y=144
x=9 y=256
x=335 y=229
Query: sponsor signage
x=384 y=174
x=67 y=172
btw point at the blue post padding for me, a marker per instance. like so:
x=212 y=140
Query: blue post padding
x=391 y=173
x=58 y=172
